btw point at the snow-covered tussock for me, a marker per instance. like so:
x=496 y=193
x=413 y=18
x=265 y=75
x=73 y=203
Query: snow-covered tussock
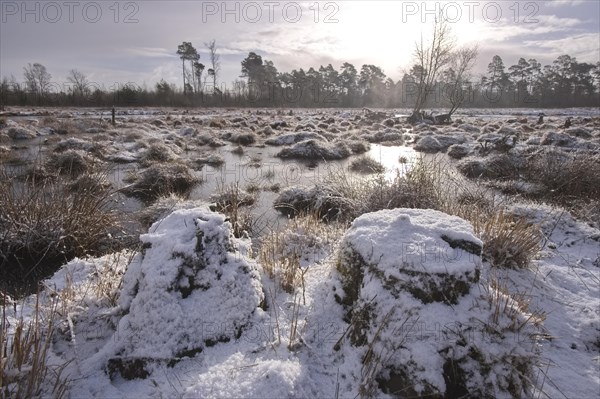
x=292 y=138
x=438 y=142
x=190 y=288
x=316 y=150
x=419 y=320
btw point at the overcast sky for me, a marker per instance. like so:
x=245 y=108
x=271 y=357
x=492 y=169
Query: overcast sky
x=115 y=42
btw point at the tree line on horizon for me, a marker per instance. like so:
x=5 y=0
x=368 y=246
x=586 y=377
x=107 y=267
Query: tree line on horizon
x=564 y=83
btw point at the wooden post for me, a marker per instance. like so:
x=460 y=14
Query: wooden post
x=113 y=116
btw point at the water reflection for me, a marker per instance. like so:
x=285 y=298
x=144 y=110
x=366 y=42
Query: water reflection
x=395 y=159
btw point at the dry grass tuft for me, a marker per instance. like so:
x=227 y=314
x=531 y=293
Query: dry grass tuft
x=285 y=254
x=159 y=180
x=60 y=126
x=514 y=307
x=159 y=209
x=71 y=162
x=566 y=176
x=233 y=202
x=509 y=241
x=24 y=351
x=45 y=223
x=366 y=164
x=157 y=152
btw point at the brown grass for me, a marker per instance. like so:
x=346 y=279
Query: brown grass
x=366 y=164
x=45 y=223
x=159 y=180
x=24 y=350
x=566 y=176
x=509 y=242
x=71 y=162
x=233 y=202
x=304 y=238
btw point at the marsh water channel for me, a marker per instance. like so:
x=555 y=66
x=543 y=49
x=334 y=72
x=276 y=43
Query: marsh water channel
x=257 y=170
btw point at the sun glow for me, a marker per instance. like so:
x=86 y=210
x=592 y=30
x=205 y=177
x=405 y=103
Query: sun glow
x=383 y=34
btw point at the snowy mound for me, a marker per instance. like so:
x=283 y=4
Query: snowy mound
x=293 y=138
x=417 y=319
x=438 y=142
x=320 y=200
x=20 y=133
x=316 y=149
x=428 y=253
x=189 y=289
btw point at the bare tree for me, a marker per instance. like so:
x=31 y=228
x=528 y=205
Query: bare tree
x=194 y=57
x=432 y=58
x=214 y=61
x=79 y=81
x=37 y=78
x=457 y=76
x=198 y=69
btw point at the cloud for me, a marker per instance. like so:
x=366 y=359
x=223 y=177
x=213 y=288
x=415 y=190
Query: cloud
x=167 y=71
x=563 y=3
x=585 y=47
x=150 y=52
x=282 y=41
x=229 y=51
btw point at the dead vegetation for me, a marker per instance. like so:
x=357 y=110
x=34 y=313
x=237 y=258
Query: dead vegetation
x=509 y=241
x=160 y=179
x=24 y=352
x=286 y=254
x=45 y=223
x=234 y=203
x=552 y=175
x=365 y=164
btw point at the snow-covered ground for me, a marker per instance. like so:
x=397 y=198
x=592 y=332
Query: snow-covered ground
x=263 y=362
x=194 y=314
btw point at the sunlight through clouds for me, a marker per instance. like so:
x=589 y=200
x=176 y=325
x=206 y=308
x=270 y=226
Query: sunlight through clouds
x=382 y=33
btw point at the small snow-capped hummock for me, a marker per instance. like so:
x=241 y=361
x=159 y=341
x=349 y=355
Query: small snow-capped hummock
x=438 y=142
x=20 y=133
x=316 y=149
x=458 y=151
x=427 y=253
x=189 y=289
x=420 y=323
x=187 y=131
x=293 y=138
